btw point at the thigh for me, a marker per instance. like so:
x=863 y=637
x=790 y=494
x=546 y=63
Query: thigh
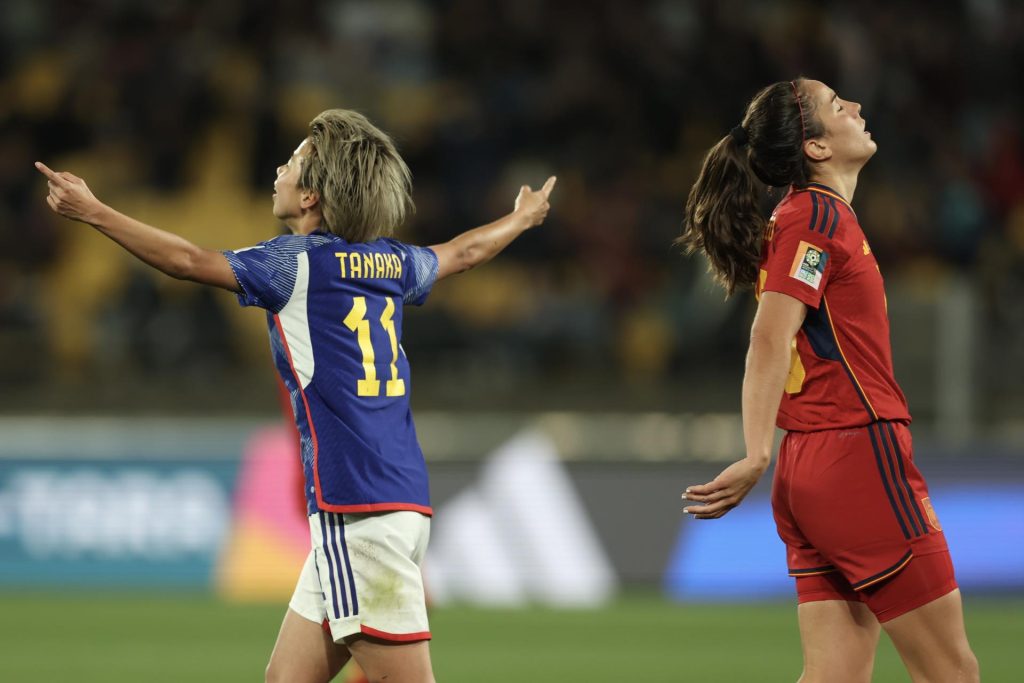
x=932 y=641
x=839 y=639
x=926 y=577
x=305 y=652
x=392 y=662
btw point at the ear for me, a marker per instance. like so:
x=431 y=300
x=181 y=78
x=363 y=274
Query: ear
x=309 y=199
x=817 y=149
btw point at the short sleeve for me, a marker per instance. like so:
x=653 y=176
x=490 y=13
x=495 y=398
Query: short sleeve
x=267 y=271
x=419 y=271
x=800 y=261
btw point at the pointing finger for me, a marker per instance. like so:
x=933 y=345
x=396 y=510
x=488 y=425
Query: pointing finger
x=45 y=170
x=62 y=179
x=548 y=186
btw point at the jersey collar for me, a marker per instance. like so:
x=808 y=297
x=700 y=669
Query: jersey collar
x=324 y=232
x=826 y=190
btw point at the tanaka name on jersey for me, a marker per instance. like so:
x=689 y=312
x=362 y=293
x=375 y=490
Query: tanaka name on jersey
x=369 y=266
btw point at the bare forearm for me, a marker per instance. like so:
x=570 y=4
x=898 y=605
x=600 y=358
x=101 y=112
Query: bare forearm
x=776 y=323
x=165 y=251
x=479 y=245
x=70 y=197
x=766 y=371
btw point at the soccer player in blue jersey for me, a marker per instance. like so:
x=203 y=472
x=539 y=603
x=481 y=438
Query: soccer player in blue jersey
x=333 y=291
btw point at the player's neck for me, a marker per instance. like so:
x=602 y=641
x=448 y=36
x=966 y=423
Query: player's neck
x=305 y=224
x=843 y=183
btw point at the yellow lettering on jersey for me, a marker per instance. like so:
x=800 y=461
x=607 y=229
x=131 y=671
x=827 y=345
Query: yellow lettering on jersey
x=762 y=278
x=395 y=386
x=369 y=266
x=867 y=249
x=797 y=374
x=357 y=322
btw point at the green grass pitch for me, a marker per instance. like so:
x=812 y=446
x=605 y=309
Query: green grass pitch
x=116 y=637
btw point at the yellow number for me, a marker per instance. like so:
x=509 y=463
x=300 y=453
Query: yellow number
x=797 y=374
x=357 y=322
x=395 y=386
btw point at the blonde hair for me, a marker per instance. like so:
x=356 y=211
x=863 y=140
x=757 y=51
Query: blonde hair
x=364 y=185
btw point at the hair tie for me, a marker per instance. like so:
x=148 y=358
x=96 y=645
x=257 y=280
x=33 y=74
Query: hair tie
x=800 y=106
x=739 y=135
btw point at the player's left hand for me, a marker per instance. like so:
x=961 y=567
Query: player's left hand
x=534 y=203
x=69 y=195
x=724 y=492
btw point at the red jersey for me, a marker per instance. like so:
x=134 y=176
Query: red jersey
x=841 y=373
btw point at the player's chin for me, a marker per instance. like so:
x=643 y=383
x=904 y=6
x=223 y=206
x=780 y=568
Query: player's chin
x=868 y=151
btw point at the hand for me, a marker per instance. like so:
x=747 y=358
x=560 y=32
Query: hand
x=69 y=195
x=534 y=205
x=725 y=492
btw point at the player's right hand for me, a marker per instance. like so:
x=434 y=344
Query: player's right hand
x=69 y=195
x=534 y=204
x=725 y=491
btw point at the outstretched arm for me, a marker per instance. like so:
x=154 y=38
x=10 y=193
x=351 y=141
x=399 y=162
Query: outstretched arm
x=71 y=197
x=480 y=245
x=779 y=317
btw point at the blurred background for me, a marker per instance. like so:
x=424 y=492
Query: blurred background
x=591 y=363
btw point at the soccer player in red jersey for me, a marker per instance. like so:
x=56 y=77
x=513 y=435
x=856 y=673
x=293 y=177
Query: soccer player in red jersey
x=862 y=537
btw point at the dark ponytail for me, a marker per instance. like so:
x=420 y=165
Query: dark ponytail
x=723 y=213
x=723 y=218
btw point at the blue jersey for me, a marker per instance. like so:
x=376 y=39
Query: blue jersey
x=334 y=310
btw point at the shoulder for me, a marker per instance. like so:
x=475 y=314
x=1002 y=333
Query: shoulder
x=301 y=243
x=406 y=250
x=290 y=244
x=816 y=216
x=391 y=244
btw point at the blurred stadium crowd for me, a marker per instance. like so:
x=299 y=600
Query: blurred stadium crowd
x=178 y=112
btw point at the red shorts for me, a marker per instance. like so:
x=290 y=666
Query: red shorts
x=851 y=502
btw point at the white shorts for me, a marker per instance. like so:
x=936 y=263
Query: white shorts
x=363 y=575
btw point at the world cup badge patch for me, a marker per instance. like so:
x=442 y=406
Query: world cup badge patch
x=809 y=264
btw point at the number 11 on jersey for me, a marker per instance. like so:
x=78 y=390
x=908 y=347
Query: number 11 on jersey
x=357 y=322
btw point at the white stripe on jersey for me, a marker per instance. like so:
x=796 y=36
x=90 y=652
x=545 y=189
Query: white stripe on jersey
x=295 y=323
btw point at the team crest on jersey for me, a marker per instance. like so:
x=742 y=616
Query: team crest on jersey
x=809 y=264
